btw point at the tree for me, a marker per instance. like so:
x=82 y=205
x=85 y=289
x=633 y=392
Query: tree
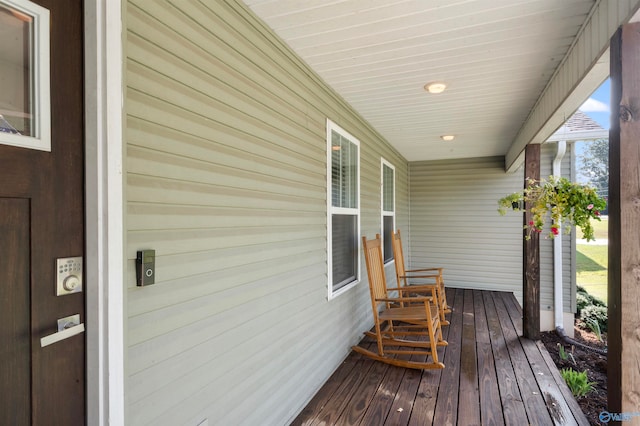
x=595 y=165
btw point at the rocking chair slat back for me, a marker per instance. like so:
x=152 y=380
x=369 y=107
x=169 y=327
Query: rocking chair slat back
x=398 y=258
x=375 y=269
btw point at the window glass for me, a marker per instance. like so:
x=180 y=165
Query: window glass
x=388 y=187
x=345 y=248
x=344 y=171
x=25 y=113
x=387 y=223
x=388 y=208
x=16 y=72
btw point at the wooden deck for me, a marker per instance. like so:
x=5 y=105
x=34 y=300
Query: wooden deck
x=492 y=377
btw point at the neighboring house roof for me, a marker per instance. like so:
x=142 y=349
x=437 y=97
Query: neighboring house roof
x=579 y=127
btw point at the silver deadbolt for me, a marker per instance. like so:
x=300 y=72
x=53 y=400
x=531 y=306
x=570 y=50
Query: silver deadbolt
x=71 y=283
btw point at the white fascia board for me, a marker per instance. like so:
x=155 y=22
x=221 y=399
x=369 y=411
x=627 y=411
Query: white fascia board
x=587 y=135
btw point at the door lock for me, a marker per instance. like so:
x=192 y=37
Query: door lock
x=69 y=272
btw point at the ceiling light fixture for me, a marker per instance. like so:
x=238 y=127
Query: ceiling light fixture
x=435 y=87
x=447 y=137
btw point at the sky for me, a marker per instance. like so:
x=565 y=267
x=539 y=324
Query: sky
x=597 y=106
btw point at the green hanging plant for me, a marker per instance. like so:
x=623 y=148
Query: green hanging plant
x=560 y=200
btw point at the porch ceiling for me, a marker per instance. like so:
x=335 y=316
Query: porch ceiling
x=496 y=56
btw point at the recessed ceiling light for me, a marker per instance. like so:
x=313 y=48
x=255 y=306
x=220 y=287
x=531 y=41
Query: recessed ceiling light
x=447 y=137
x=435 y=87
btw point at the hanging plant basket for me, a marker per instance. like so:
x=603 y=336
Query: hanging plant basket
x=559 y=201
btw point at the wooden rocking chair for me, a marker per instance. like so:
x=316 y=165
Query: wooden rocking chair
x=392 y=324
x=403 y=276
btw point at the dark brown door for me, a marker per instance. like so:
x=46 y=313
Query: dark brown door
x=42 y=219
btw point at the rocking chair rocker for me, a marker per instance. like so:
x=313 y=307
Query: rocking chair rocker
x=393 y=324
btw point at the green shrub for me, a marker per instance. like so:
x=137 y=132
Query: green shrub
x=578 y=382
x=595 y=314
x=597 y=301
x=582 y=301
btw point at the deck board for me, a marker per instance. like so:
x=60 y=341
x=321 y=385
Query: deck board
x=469 y=410
x=380 y=405
x=425 y=401
x=308 y=415
x=446 y=412
x=363 y=395
x=492 y=376
x=529 y=390
x=326 y=410
x=512 y=405
x=403 y=401
x=488 y=382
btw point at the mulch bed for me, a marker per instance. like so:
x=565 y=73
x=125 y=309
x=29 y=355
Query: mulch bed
x=595 y=365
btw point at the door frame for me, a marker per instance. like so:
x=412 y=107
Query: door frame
x=104 y=214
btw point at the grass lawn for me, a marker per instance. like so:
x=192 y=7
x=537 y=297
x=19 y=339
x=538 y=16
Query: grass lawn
x=592 y=261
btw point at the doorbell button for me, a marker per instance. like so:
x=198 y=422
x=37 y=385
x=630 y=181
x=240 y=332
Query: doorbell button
x=145 y=267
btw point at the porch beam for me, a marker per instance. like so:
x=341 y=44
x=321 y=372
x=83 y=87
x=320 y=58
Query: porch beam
x=531 y=254
x=624 y=223
x=581 y=71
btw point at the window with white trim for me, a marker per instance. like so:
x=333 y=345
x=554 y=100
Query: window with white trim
x=25 y=116
x=388 y=201
x=343 y=209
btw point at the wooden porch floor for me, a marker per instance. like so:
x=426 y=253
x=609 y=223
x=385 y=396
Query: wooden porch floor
x=493 y=376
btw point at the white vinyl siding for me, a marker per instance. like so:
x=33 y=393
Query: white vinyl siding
x=226 y=179
x=455 y=223
x=387 y=199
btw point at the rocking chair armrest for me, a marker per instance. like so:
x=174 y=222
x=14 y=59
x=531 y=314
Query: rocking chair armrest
x=414 y=287
x=404 y=299
x=425 y=270
x=419 y=276
x=421 y=287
